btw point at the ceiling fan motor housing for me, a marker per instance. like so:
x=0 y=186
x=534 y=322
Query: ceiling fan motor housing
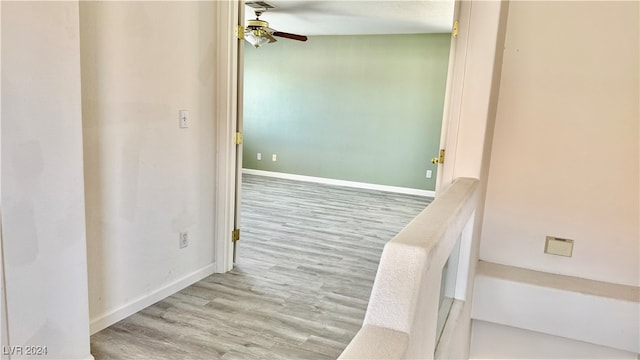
x=257 y=23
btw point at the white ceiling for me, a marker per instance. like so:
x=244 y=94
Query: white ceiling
x=358 y=17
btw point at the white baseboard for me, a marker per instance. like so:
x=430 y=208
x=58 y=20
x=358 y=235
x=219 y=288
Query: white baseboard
x=142 y=302
x=353 y=184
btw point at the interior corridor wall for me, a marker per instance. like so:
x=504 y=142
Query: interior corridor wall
x=147 y=179
x=42 y=181
x=357 y=108
x=565 y=156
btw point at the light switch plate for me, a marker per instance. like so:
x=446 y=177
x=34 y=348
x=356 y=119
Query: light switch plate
x=558 y=246
x=184 y=118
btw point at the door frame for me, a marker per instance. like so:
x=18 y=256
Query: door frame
x=226 y=156
x=229 y=107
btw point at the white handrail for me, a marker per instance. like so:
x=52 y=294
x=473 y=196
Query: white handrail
x=400 y=321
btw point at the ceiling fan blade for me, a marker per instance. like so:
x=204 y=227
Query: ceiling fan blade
x=290 y=36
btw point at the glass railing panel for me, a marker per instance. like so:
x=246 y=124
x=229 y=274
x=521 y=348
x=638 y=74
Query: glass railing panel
x=447 y=288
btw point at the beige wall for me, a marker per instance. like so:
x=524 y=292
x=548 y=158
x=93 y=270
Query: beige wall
x=565 y=152
x=147 y=179
x=42 y=181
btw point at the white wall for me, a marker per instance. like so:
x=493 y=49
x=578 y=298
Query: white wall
x=42 y=179
x=565 y=152
x=493 y=341
x=146 y=179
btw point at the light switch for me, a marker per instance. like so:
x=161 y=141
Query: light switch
x=558 y=246
x=184 y=118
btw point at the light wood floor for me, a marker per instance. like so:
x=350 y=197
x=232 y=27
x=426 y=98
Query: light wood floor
x=307 y=260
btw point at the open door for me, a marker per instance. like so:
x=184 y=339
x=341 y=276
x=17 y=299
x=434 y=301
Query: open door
x=453 y=96
x=238 y=136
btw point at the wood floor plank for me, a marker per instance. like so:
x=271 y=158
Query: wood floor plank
x=307 y=260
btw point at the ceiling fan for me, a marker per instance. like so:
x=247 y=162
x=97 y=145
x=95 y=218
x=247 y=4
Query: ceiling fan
x=257 y=32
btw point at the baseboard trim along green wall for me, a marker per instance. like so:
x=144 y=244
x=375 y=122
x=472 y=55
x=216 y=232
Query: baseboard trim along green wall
x=336 y=182
x=365 y=108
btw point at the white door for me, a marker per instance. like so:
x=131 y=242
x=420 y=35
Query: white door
x=453 y=95
x=238 y=138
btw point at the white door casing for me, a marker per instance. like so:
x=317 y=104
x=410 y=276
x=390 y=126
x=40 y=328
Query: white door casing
x=226 y=126
x=230 y=110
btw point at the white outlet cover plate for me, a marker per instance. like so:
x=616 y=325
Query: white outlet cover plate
x=184 y=240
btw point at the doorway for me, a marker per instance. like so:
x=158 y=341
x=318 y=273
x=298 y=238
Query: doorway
x=268 y=155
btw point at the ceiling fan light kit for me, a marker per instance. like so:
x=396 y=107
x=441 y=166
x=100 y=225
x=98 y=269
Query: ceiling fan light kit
x=258 y=33
x=257 y=37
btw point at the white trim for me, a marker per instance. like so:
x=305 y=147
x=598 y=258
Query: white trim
x=226 y=117
x=142 y=302
x=353 y=184
x=4 y=322
x=462 y=279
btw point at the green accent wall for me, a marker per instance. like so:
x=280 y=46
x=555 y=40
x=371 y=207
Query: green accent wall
x=358 y=108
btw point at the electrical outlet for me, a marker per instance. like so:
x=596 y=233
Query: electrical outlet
x=184 y=239
x=259 y=156
x=429 y=174
x=274 y=157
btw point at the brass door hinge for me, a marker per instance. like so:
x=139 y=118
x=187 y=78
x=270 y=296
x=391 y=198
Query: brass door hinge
x=454 y=30
x=237 y=138
x=439 y=159
x=235 y=235
x=240 y=32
